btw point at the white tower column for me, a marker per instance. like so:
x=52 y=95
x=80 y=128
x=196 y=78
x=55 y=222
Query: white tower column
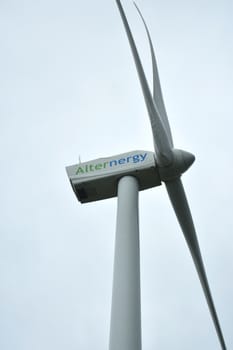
x=125 y=332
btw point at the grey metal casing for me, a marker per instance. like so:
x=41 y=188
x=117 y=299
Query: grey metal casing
x=98 y=179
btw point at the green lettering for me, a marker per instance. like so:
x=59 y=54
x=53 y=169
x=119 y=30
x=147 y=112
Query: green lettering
x=98 y=166
x=80 y=170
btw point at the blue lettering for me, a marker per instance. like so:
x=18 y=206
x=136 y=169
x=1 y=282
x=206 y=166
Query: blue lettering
x=121 y=161
x=143 y=156
x=136 y=158
x=114 y=162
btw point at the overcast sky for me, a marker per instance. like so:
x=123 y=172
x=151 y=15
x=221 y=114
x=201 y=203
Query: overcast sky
x=68 y=88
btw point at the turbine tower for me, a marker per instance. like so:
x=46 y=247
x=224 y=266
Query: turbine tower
x=123 y=176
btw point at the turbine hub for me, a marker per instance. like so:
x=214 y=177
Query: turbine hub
x=182 y=160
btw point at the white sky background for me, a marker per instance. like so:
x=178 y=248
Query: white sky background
x=68 y=87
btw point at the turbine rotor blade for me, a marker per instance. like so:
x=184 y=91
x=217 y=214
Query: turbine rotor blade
x=180 y=204
x=163 y=147
x=157 y=91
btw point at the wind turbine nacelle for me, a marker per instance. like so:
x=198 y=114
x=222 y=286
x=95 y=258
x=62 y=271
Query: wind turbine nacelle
x=98 y=179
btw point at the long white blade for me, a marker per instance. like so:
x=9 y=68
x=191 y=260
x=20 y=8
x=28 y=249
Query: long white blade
x=157 y=91
x=163 y=148
x=180 y=204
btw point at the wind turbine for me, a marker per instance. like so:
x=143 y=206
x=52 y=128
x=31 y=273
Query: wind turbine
x=172 y=163
x=123 y=176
